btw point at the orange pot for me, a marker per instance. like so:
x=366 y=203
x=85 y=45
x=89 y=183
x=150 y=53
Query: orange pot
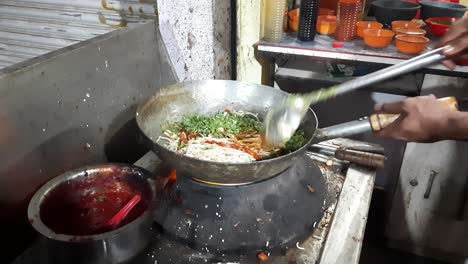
x=410 y=31
x=361 y=25
x=405 y=23
x=411 y=44
x=378 y=38
x=293 y=20
x=326 y=25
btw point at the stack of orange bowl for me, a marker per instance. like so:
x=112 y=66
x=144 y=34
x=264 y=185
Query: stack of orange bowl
x=411 y=44
x=378 y=38
x=326 y=25
x=405 y=24
x=410 y=31
x=362 y=25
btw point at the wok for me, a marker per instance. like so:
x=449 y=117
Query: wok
x=171 y=103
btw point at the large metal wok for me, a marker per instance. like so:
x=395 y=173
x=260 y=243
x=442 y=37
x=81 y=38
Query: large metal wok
x=209 y=97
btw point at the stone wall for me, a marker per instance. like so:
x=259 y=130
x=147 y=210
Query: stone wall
x=197 y=36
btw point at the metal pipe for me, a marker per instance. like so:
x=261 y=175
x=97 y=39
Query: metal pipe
x=392 y=71
x=343 y=130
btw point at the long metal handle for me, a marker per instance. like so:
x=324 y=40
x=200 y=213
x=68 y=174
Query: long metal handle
x=342 y=130
x=407 y=66
x=392 y=71
x=376 y=122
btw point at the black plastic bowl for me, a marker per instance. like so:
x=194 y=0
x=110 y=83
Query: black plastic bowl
x=441 y=9
x=387 y=11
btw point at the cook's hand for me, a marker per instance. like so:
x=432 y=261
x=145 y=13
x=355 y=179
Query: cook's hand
x=457 y=38
x=422 y=119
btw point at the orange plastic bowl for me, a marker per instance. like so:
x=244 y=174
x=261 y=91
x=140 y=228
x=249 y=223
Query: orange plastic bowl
x=361 y=25
x=405 y=23
x=410 y=31
x=411 y=44
x=326 y=25
x=378 y=38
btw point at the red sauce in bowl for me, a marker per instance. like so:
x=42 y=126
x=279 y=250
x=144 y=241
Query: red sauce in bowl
x=81 y=207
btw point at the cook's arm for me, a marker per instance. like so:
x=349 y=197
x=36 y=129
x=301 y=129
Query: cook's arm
x=457 y=126
x=424 y=119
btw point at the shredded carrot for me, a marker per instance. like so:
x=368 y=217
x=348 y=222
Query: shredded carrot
x=262 y=256
x=183 y=137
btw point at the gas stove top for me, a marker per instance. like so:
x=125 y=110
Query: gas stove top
x=267 y=215
x=285 y=219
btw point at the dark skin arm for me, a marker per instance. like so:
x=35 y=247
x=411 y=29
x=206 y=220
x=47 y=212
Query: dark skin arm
x=457 y=39
x=424 y=119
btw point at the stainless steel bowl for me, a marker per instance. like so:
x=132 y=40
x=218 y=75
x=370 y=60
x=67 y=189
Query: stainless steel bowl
x=116 y=246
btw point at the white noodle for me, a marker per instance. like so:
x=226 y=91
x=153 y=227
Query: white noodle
x=199 y=148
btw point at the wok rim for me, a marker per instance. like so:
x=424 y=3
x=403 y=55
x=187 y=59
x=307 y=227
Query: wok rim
x=146 y=103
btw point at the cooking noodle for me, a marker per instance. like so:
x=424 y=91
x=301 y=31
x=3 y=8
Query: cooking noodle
x=229 y=136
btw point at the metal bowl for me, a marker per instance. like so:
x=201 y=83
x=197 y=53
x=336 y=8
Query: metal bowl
x=441 y=9
x=387 y=11
x=116 y=246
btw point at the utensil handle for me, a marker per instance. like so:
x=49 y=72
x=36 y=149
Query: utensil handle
x=115 y=221
x=362 y=158
x=381 y=121
x=407 y=66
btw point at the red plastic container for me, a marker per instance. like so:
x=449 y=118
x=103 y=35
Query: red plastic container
x=348 y=11
x=440 y=25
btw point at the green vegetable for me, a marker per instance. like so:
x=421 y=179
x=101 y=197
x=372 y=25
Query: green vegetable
x=295 y=142
x=218 y=125
x=101 y=198
x=222 y=124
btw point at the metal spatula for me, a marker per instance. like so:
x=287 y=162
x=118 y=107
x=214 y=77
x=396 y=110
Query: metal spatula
x=284 y=118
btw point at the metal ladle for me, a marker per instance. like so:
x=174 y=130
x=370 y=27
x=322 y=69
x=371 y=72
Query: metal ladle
x=282 y=119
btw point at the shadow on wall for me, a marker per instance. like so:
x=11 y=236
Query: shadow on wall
x=27 y=174
x=68 y=150
x=124 y=142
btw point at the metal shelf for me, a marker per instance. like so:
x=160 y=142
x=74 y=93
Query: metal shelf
x=353 y=52
x=317 y=75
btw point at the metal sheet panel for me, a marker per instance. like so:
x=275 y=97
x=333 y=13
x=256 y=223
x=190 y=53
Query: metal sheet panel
x=69 y=108
x=30 y=28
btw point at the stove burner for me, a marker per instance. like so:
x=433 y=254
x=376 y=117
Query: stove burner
x=272 y=214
